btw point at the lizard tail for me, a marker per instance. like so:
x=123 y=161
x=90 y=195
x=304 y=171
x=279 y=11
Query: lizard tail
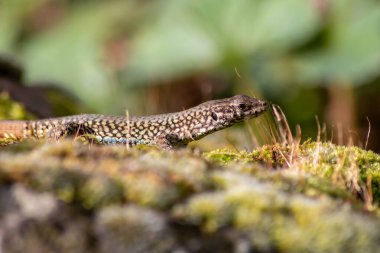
x=13 y=128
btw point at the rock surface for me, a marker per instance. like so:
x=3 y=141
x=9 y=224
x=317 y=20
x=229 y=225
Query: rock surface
x=70 y=197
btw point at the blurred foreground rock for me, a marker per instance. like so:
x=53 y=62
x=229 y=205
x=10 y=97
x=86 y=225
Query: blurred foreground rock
x=70 y=197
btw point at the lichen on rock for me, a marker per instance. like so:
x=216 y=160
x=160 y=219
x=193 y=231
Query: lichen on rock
x=314 y=197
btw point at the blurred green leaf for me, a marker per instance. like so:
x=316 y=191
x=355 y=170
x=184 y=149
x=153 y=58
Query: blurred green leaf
x=73 y=52
x=352 y=50
x=198 y=35
x=11 y=20
x=10 y=109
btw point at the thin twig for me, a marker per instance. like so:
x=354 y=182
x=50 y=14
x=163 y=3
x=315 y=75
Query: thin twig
x=368 y=133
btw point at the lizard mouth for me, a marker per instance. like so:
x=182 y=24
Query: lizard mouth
x=264 y=106
x=257 y=108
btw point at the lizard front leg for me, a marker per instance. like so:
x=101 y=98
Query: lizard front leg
x=69 y=129
x=169 y=141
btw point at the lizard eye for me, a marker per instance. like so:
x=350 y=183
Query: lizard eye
x=244 y=107
x=214 y=116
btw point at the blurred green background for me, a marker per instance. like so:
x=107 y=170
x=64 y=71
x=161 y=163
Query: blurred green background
x=312 y=57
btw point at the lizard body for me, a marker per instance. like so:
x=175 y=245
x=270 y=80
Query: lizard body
x=165 y=130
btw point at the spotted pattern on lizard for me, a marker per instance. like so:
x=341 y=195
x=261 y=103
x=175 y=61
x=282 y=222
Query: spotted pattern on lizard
x=165 y=130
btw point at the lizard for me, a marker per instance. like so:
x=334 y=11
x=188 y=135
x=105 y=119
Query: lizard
x=165 y=130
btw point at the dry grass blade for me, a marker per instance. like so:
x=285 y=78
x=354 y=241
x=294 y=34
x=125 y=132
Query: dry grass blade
x=252 y=135
x=368 y=133
x=282 y=125
x=368 y=194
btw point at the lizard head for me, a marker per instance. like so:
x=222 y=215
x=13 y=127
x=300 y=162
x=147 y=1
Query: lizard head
x=218 y=114
x=236 y=109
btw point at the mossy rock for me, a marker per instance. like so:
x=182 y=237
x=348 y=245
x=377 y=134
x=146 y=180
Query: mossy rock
x=314 y=197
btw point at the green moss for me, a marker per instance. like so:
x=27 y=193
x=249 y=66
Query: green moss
x=275 y=198
x=350 y=167
x=10 y=109
x=104 y=175
x=315 y=169
x=338 y=171
x=132 y=228
x=289 y=222
x=271 y=155
x=8 y=141
x=225 y=156
x=208 y=209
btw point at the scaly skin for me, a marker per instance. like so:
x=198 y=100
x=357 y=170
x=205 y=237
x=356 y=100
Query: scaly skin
x=165 y=130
